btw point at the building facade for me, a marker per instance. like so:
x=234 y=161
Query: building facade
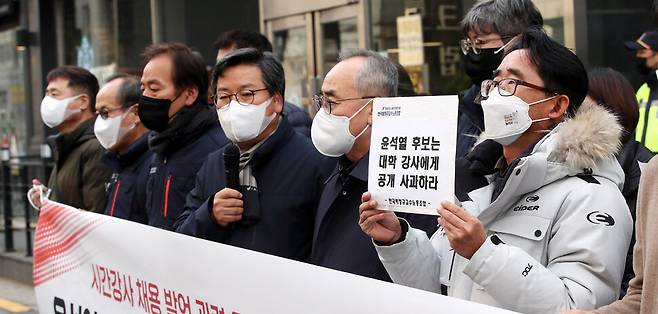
x=108 y=35
x=103 y=36
x=424 y=35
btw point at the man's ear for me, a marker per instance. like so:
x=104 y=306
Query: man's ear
x=560 y=107
x=191 y=94
x=277 y=102
x=134 y=110
x=84 y=102
x=370 y=114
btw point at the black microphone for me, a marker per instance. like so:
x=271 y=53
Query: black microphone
x=232 y=166
x=251 y=203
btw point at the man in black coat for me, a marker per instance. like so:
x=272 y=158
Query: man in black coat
x=281 y=173
x=174 y=104
x=341 y=128
x=128 y=153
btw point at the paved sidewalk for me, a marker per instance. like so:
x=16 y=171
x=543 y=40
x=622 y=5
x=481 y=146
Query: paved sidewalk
x=16 y=297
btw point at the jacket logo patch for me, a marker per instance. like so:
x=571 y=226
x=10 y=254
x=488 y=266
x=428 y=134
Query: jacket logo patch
x=601 y=218
x=526 y=271
x=153 y=170
x=532 y=199
x=521 y=208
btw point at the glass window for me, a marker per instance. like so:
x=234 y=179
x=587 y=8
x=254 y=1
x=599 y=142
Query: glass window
x=337 y=37
x=290 y=49
x=13 y=104
x=105 y=36
x=441 y=71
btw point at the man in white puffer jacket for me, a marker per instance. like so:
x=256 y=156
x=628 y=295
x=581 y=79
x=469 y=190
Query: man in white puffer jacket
x=550 y=230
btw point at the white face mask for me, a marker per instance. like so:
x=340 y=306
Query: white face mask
x=331 y=134
x=242 y=123
x=55 y=111
x=109 y=131
x=506 y=118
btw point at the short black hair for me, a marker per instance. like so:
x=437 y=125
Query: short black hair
x=505 y=17
x=79 y=78
x=238 y=38
x=189 y=68
x=129 y=90
x=559 y=68
x=271 y=70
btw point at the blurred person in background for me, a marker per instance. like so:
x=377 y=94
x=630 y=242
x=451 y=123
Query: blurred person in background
x=125 y=138
x=646 y=51
x=487 y=27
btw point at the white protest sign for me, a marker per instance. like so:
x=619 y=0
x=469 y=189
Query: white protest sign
x=90 y=263
x=412 y=153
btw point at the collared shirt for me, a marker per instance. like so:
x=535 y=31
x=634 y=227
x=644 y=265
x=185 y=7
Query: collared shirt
x=246 y=175
x=503 y=170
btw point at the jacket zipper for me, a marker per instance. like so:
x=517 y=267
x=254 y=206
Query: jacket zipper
x=166 y=200
x=114 y=199
x=452 y=263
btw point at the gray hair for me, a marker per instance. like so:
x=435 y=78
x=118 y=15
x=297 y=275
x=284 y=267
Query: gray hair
x=505 y=17
x=129 y=90
x=378 y=75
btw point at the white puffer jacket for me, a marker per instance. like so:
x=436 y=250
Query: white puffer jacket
x=564 y=232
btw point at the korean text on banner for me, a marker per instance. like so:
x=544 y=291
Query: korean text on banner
x=90 y=263
x=412 y=153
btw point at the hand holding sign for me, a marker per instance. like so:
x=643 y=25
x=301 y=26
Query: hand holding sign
x=381 y=225
x=464 y=231
x=412 y=152
x=38 y=194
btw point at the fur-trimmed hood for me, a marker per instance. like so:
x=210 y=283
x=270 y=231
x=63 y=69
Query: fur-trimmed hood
x=585 y=144
x=590 y=137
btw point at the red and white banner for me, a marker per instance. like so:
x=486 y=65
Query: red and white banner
x=86 y=263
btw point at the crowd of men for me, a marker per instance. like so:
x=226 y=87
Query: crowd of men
x=548 y=168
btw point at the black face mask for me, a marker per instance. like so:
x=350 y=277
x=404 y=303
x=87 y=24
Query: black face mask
x=480 y=67
x=154 y=112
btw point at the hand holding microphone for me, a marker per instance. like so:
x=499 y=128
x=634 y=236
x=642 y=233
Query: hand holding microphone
x=228 y=206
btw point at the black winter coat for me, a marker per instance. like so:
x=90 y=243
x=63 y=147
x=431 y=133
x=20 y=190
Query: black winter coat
x=289 y=173
x=126 y=191
x=176 y=162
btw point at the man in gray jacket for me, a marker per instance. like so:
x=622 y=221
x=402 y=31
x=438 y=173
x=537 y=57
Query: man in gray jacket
x=550 y=230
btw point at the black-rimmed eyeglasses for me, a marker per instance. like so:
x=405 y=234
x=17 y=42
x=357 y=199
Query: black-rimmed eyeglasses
x=507 y=87
x=322 y=102
x=243 y=97
x=475 y=45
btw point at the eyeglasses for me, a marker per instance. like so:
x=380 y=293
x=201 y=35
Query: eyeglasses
x=507 y=87
x=243 y=97
x=105 y=113
x=322 y=102
x=475 y=45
